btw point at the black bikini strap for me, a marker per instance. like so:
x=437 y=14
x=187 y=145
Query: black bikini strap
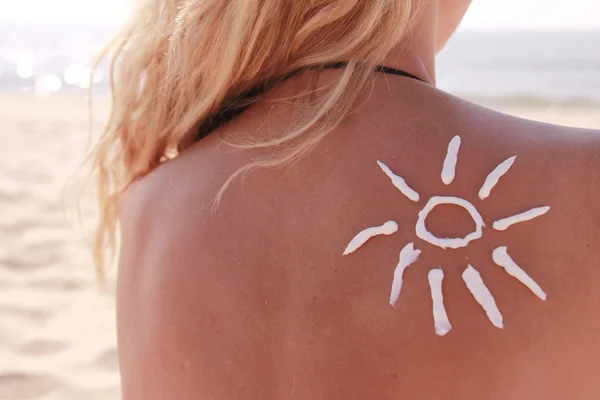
x=230 y=112
x=379 y=68
x=394 y=71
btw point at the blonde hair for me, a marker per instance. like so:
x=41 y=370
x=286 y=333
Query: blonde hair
x=179 y=62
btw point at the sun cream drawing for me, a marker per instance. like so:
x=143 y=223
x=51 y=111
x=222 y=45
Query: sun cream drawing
x=494 y=176
x=503 y=224
x=441 y=322
x=449 y=168
x=482 y=295
x=453 y=243
x=502 y=259
x=408 y=255
x=388 y=228
x=399 y=183
x=471 y=277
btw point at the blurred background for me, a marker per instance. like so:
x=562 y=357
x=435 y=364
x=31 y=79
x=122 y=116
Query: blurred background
x=538 y=59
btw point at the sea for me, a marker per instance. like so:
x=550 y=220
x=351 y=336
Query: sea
x=517 y=67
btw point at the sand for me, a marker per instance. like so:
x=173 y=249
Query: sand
x=57 y=331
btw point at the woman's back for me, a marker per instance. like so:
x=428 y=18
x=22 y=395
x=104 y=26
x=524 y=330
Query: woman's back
x=257 y=300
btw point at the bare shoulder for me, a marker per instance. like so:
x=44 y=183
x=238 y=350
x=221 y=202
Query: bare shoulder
x=187 y=283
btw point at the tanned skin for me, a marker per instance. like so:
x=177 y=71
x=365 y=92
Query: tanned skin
x=256 y=301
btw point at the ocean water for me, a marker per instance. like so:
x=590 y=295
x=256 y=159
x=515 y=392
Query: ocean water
x=485 y=66
x=523 y=67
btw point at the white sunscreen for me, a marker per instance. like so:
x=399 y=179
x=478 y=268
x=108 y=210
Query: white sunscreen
x=494 y=176
x=503 y=224
x=388 y=228
x=408 y=255
x=482 y=295
x=502 y=259
x=399 y=182
x=440 y=317
x=449 y=168
x=453 y=243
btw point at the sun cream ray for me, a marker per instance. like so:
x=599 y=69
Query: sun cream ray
x=440 y=317
x=449 y=168
x=399 y=182
x=388 y=228
x=502 y=259
x=482 y=295
x=408 y=255
x=494 y=176
x=505 y=223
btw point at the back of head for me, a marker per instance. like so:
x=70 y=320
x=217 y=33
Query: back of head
x=179 y=62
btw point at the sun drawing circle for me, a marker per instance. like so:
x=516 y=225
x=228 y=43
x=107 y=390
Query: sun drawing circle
x=453 y=243
x=471 y=277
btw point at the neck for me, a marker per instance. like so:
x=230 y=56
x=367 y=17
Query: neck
x=416 y=53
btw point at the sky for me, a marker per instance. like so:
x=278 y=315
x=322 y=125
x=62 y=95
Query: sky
x=484 y=14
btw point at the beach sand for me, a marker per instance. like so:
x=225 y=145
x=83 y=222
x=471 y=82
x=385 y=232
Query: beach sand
x=57 y=330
